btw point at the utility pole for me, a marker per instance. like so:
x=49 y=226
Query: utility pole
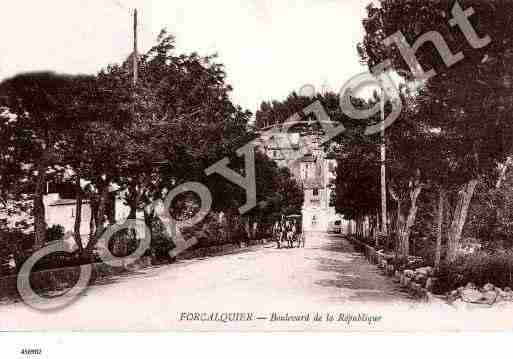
x=123 y=246
x=384 y=229
x=135 y=54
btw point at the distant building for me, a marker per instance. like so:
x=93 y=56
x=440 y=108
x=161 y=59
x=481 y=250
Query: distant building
x=60 y=208
x=62 y=211
x=299 y=149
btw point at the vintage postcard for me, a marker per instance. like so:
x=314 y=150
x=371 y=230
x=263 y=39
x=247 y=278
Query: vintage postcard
x=256 y=165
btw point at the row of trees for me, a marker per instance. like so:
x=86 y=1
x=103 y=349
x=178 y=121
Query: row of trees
x=452 y=138
x=454 y=132
x=144 y=138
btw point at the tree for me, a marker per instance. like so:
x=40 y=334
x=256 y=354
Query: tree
x=278 y=112
x=43 y=105
x=356 y=184
x=142 y=138
x=170 y=126
x=278 y=193
x=453 y=103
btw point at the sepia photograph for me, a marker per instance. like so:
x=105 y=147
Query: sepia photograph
x=256 y=166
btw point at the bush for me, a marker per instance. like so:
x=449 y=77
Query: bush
x=14 y=244
x=62 y=260
x=55 y=233
x=479 y=268
x=209 y=232
x=161 y=244
x=124 y=242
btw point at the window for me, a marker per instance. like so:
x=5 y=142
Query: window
x=294 y=140
x=316 y=192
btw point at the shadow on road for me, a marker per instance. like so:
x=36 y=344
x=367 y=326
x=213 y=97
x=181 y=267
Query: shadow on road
x=351 y=271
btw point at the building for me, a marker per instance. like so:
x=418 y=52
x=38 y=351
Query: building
x=298 y=147
x=60 y=208
x=61 y=211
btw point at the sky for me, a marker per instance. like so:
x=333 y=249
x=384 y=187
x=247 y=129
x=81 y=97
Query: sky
x=269 y=47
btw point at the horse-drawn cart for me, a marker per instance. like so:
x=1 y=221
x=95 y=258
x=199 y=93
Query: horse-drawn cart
x=289 y=231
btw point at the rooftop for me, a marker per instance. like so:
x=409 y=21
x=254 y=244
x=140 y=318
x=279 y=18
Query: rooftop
x=66 y=202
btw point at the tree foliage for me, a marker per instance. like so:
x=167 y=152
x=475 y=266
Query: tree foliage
x=138 y=139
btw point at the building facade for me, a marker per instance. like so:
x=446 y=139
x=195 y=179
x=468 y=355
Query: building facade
x=299 y=149
x=61 y=211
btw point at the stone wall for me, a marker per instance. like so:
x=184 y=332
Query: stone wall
x=421 y=280
x=61 y=278
x=55 y=279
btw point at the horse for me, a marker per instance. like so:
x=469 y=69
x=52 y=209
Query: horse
x=278 y=233
x=301 y=240
x=288 y=231
x=291 y=235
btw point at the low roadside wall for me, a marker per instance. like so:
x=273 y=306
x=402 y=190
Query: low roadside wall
x=61 y=278
x=217 y=250
x=420 y=282
x=55 y=279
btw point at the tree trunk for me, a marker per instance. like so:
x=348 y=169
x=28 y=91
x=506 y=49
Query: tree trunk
x=149 y=217
x=39 y=208
x=78 y=215
x=459 y=218
x=230 y=225
x=398 y=219
x=120 y=245
x=255 y=229
x=359 y=227
x=410 y=221
x=99 y=219
x=398 y=222
x=133 y=198
x=102 y=210
x=94 y=214
x=247 y=226
x=439 y=225
x=133 y=211
x=375 y=226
